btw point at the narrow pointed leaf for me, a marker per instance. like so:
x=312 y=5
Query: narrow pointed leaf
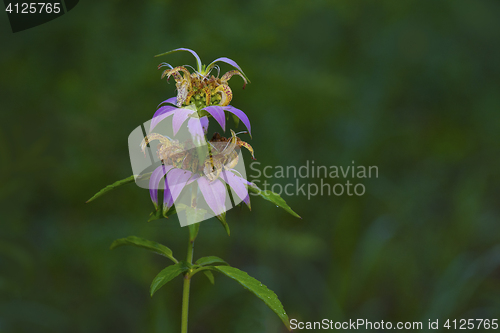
x=257 y=288
x=198 y=60
x=171 y=211
x=156 y=215
x=210 y=260
x=227 y=61
x=236 y=120
x=161 y=212
x=112 y=186
x=166 y=275
x=145 y=244
x=222 y=219
x=210 y=276
x=272 y=197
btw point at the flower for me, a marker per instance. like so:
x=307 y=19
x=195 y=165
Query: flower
x=207 y=167
x=199 y=93
x=181 y=167
x=199 y=84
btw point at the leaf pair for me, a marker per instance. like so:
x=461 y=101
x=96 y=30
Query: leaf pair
x=268 y=195
x=248 y=282
x=205 y=265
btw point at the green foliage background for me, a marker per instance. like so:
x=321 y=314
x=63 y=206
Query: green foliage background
x=409 y=86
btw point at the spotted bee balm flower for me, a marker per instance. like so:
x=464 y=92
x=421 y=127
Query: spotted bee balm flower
x=210 y=165
x=199 y=177
x=206 y=90
x=193 y=177
x=181 y=167
x=200 y=92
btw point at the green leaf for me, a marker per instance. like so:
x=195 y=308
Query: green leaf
x=198 y=60
x=222 y=219
x=112 y=186
x=272 y=197
x=210 y=276
x=230 y=194
x=160 y=212
x=145 y=244
x=171 y=211
x=257 y=288
x=167 y=274
x=204 y=261
x=236 y=120
x=156 y=215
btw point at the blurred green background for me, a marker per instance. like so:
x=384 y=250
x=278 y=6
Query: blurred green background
x=409 y=86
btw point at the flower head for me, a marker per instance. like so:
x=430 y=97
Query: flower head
x=181 y=167
x=208 y=167
x=200 y=94
x=200 y=87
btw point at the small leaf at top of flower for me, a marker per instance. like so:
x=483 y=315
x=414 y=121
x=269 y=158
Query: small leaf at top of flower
x=198 y=60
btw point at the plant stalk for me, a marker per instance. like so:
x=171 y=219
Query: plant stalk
x=186 y=288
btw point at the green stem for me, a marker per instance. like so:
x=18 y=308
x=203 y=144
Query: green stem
x=186 y=288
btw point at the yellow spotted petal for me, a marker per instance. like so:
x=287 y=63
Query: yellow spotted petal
x=154 y=136
x=226 y=94
x=229 y=74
